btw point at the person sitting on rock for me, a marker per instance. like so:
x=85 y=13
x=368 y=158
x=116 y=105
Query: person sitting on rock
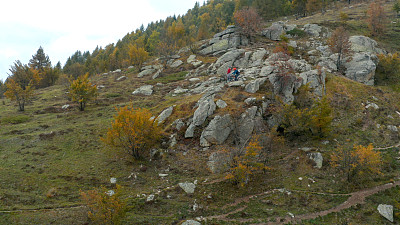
x=236 y=73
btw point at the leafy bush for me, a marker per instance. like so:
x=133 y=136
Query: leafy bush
x=357 y=161
x=243 y=166
x=388 y=69
x=303 y=122
x=82 y=91
x=134 y=131
x=296 y=32
x=104 y=206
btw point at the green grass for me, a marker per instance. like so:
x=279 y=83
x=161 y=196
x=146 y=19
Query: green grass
x=15 y=119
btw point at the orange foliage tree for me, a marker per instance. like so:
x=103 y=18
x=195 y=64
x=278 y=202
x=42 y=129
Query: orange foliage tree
x=134 y=131
x=105 y=207
x=376 y=18
x=245 y=165
x=249 y=21
x=357 y=161
x=82 y=91
x=339 y=43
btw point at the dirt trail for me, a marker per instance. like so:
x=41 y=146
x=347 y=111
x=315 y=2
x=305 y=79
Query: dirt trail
x=355 y=198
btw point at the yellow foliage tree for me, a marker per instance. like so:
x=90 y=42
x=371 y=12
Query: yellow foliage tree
x=104 y=206
x=246 y=165
x=82 y=91
x=138 y=55
x=134 y=131
x=357 y=161
x=21 y=83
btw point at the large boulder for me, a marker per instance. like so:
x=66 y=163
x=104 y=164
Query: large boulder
x=176 y=63
x=164 y=115
x=205 y=109
x=188 y=187
x=144 y=90
x=254 y=85
x=147 y=72
x=317 y=158
x=364 y=44
x=312 y=29
x=227 y=39
x=217 y=130
x=285 y=85
x=386 y=211
x=275 y=31
x=246 y=124
x=229 y=57
x=316 y=81
x=362 y=68
x=218 y=162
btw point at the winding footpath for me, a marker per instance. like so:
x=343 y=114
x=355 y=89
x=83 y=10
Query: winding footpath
x=355 y=198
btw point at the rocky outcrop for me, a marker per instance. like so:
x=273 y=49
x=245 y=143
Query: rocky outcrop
x=362 y=68
x=254 y=85
x=217 y=130
x=364 y=44
x=188 y=187
x=312 y=29
x=316 y=81
x=221 y=42
x=275 y=31
x=246 y=124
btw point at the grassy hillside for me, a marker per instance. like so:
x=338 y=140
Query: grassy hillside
x=49 y=154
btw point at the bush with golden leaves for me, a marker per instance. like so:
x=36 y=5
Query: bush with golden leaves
x=133 y=131
x=105 y=207
x=356 y=162
x=82 y=91
x=244 y=166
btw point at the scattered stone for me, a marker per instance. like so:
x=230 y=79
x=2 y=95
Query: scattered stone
x=180 y=90
x=250 y=101
x=194 y=79
x=113 y=180
x=190 y=131
x=162 y=175
x=121 y=78
x=178 y=123
x=317 y=158
x=65 y=107
x=205 y=109
x=150 y=198
x=144 y=90
x=191 y=59
x=312 y=29
x=221 y=104
x=392 y=128
x=373 y=105
x=305 y=149
x=188 y=187
x=165 y=114
x=176 y=63
x=386 y=211
x=191 y=222
x=110 y=193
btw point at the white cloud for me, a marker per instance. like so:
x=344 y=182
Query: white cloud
x=63 y=27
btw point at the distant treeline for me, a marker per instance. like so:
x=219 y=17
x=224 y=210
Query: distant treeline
x=163 y=37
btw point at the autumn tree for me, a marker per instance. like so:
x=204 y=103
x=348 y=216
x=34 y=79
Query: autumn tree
x=376 y=18
x=321 y=118
x=388 y=69
x=339 y=43
x=138 y=55
x=105 y=207
x=21 y=84
x=244 y=166
x=357 y=161
x=82 y=91
x=249 y=21
x=133 y=131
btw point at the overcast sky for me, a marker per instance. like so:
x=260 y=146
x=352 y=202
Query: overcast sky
x=63 y=27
